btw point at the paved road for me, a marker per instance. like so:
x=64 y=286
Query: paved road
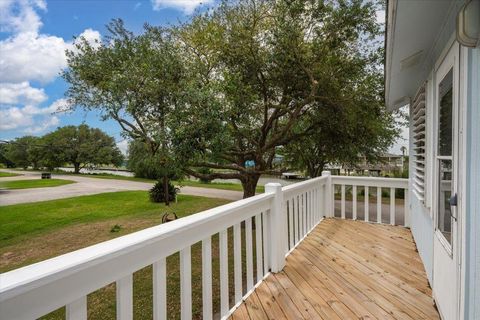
x=87 y=186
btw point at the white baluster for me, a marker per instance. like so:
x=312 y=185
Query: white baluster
x=160 y=290
x=186 y=283
x=367 y=213
x=258 y=246
x=354 y=202
x=224 y=302
x=343 y=202
x=249 y=252
x=296 y=219
x=392 y=206
x=379 y=205
x=207 y=278
x=237 y=266
x=125 y=298
x=291 y=237
x=77 y=310
x=266 y=244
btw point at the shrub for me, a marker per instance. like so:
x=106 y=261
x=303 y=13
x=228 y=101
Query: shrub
x=157 y=193
x=205 y=171
x=116 y=228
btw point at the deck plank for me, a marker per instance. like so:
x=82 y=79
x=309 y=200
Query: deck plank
x=346 y=270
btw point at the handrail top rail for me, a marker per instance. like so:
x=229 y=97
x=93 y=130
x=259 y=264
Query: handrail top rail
x=19 y=280
x=371 y=181
x=302 y=184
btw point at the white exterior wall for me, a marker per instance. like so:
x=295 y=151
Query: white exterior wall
x=472 y=232
x=421 y=218
x=421 y=221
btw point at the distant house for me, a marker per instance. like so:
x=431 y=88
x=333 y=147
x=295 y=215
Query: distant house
x=386 y=165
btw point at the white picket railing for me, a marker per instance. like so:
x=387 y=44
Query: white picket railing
x=274 y=224
x=396 y=210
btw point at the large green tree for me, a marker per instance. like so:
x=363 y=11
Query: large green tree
x=136 y=80
x=23 y=152
x=80 y=146
x=278 y=66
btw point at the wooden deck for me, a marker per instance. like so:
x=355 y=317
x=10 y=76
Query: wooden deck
x=346 y=270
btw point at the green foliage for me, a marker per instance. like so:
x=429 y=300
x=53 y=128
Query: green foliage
x=157 y=193
x=239 y=83
x=22 y=152
x=205 y=172
x=116 y=228
x=23 y=221
x=34 y=183
x=145 y=165
x=279 y=67
x=80 y=146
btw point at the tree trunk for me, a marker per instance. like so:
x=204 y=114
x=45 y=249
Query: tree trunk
x=77 y=167
x=166 y=195
x=249 y=184
x=315 y=170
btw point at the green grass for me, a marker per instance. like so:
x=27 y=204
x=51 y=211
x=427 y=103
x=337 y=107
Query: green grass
x=34 y=183
x=21 y=221
x=191 y=183
x=217 y=185
x=4 y=174
x=68 y=224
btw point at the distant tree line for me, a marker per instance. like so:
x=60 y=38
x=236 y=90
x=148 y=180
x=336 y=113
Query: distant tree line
x=221 y=95
x=78 y=146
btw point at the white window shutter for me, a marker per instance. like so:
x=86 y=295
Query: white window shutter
x=418 y=118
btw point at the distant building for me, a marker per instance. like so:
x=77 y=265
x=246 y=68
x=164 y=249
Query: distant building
x=387 y=164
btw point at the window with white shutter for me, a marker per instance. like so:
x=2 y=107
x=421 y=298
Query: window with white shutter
x=418 y=117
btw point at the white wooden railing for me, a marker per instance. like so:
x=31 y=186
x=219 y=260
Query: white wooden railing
x=396 y=210
x=274 y=223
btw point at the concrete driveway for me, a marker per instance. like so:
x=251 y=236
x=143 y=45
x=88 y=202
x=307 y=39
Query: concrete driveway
x=87 y=186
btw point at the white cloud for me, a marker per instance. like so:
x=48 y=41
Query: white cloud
x=123 y=146
x=28 y=55
x=43 y=126
x=92 y=36
x=19 y=16
x=21 y=93
x=13 y=118
x=30 y=118
x=187 y=6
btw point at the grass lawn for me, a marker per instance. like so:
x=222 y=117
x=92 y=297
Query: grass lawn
x=4 y=174
x=34 y=183
x=38 y=231
x=190 y=183
x=217 y=185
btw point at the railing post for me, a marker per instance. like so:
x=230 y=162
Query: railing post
x=278 y=228
x=328 y=210
x=406 y=208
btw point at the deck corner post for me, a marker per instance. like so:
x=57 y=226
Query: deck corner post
x=328 y=203
x=278 y=228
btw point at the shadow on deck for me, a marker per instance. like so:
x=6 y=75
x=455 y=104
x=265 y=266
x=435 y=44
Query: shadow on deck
x=346 y=270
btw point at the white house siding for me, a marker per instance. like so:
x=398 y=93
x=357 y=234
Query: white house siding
x=472 y=250
x=421 y=224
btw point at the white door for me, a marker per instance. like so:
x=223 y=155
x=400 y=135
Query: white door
x=446 y=244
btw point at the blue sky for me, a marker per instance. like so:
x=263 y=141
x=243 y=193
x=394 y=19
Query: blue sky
x=34 y=35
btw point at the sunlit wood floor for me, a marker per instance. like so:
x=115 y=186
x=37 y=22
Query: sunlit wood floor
x=346 y=270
